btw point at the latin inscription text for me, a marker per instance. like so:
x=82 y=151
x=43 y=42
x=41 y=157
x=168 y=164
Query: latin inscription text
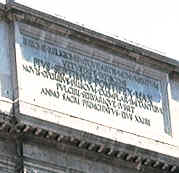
x=92 y=84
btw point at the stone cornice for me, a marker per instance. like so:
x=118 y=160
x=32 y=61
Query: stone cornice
x=51 y=23
x=94 y=147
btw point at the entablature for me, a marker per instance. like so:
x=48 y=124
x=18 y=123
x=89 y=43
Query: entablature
x=91 y=147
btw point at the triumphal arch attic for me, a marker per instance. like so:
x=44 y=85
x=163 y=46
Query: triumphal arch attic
x=76 y=101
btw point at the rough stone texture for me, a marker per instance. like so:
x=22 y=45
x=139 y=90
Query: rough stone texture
x=8 y=154
x=44 y=158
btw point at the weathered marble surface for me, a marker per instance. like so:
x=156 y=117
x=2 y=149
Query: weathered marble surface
x=6 y=93
x=173 y=92
x=42 y=97
x=50 y=134
x=39 y=159
x=7 y=155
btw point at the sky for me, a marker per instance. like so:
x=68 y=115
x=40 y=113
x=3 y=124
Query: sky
x=152 y=24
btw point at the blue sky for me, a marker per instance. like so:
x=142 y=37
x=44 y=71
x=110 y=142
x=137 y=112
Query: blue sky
x=153 y=24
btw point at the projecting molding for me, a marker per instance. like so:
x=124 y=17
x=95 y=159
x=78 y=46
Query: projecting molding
x=60 y=26
x=93 y=148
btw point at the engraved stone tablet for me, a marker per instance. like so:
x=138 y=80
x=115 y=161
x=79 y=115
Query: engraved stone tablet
x=73 y=84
